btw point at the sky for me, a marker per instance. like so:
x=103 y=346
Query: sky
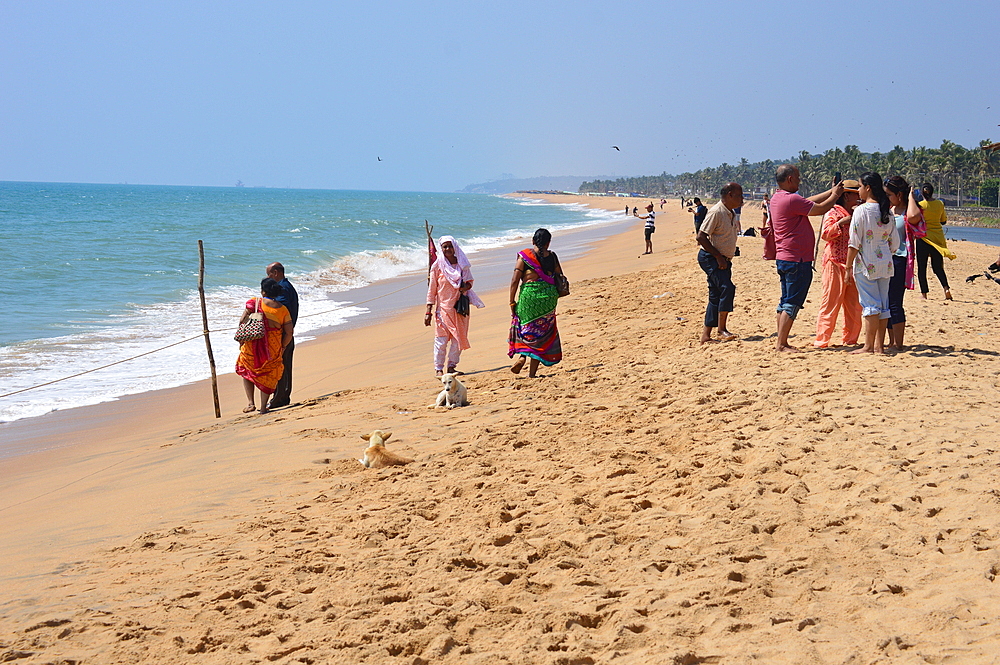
x=313 y=93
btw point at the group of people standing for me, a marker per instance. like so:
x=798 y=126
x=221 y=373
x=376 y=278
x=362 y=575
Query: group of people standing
x=533 y=334
x=265 y=363
x=876 y=230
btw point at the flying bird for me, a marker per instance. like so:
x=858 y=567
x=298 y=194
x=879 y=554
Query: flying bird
x=378 y=158
x=616 y=148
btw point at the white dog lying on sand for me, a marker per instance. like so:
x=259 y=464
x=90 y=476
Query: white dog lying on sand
x=454 y=393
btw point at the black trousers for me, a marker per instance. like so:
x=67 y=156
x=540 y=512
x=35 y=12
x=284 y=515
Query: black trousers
x=937 y=265
x=283 y=391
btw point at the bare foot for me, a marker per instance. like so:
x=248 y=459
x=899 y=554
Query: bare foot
x=863 y=349
x=787 y=348
x=924 y=296
x=264 y=410
x=518 y=366
x=250 y=408
x=709 y=340
x=726 y=336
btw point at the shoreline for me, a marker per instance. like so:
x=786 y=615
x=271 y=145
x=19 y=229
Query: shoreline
x=94 y=423
x=647 y=498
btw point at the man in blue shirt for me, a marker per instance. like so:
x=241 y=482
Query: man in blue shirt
x=700 y=212
x=290 y=299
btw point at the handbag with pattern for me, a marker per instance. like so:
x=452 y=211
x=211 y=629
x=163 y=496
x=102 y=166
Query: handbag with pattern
x=252 y=328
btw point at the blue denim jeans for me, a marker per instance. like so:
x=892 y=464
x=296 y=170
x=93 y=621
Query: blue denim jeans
x=796 y=276
x=721 y=290
x=897 y=289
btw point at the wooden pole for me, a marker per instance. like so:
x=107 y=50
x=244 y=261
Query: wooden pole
x=430 y=248
x=204 y=321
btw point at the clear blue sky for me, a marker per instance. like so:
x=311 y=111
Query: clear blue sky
x=311 y=93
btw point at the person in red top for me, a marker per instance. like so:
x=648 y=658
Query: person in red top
x=795 y=244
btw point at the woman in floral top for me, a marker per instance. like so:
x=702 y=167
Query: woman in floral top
x=870 y=246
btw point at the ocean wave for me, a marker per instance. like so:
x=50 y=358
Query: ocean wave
x=140 y=330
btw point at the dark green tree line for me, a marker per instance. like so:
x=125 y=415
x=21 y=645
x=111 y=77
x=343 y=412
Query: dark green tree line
x=955 y=171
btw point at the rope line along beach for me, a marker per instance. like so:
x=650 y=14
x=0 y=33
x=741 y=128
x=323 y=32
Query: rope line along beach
x=199 y=335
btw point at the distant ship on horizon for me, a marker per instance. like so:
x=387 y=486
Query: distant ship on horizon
x=239 y=183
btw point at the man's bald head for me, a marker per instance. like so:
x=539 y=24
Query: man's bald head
x=275 y=271
x=784 y=172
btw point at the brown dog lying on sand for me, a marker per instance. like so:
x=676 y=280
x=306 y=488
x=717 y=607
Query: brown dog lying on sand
x=376 y=456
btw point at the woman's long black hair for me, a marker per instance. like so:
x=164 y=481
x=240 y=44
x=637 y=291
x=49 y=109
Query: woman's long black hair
x=873 y=181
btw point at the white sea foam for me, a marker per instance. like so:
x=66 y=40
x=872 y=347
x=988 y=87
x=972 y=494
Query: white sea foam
x=140 y=331
x=148 y=328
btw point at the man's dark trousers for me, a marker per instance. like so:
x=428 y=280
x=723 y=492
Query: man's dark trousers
x=283 y=391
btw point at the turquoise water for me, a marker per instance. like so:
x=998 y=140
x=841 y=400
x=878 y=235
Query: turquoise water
x=98 y=273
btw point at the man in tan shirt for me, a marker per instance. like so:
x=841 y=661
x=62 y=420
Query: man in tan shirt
x=717 y=237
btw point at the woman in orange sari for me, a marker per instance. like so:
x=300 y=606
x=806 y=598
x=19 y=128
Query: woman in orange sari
x=260 y=361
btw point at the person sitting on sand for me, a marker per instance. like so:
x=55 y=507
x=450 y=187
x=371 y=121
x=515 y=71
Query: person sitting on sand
x=533 y=299
x=259 y=362
x=717 y=238
x=650 y=227
x=450 y=278
x=872 y=242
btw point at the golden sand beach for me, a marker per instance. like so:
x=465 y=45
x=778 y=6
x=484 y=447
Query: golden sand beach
x=648 y=500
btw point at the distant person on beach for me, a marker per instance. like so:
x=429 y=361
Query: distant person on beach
x=626 y=208
x=794 y=244
x=933 y=245
x=872 y=242
x=905 y=210
x=839 y=295
x=717 y=238
x=635 y=211
x=290 y=299
x=533 y=298
x=450 y=279
x=663 y=202
x=259 y=362
x=649 y=228
x=699 y=214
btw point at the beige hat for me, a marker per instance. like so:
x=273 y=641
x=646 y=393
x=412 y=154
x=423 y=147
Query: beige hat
x=852 y=185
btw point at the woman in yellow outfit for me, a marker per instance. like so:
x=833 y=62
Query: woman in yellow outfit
x=933 y=245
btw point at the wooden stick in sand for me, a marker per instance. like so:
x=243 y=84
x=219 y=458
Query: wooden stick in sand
x=204 y=321
x=431 y=249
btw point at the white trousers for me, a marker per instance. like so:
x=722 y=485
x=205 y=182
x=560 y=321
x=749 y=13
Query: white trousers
x=454 y=352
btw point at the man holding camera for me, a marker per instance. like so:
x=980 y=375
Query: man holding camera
x=699 y=214
x=795 y=243
x=717 y=237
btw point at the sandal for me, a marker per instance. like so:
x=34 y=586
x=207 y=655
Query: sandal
x=250 y=408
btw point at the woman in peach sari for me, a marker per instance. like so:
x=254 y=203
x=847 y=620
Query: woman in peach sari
x=260 y=361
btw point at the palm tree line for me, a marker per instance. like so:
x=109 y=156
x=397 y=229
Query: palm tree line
x=964 y=176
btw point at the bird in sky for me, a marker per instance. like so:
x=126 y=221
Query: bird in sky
x=616 y=148
x=378 y=158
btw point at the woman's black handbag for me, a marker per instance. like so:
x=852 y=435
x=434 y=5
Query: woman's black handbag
x=462 y=305
x=562 y=285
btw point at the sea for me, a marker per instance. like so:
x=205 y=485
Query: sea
x=106 y=276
